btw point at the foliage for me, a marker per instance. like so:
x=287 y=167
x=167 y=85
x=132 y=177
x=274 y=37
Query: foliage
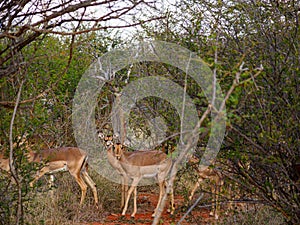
x=262 y=141
x=263 y=134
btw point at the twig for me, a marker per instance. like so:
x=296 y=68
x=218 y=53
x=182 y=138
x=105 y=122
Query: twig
x=190 y=209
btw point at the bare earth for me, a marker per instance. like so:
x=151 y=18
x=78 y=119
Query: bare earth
x=146 y=205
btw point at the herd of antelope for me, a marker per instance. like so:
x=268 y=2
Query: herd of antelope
x=130 y=165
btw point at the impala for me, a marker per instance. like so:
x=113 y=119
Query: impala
x=214 y=177
x=114 y=162
x=143 y=164
x=54 y=160
x=116 y=165
x=63 y=159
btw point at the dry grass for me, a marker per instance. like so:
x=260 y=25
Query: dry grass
x=61 y=205
x=261 y=215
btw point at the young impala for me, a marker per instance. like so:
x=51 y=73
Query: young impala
x=215 y=177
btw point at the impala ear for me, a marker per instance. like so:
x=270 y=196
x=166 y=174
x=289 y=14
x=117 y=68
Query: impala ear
x=127 y=143
x=101 y=135
x=116 y=135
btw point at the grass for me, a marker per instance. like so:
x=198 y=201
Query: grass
x=61 y=206
x=261 y=215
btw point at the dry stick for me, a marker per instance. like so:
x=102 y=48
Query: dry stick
x=184 y=98
x=11 y=164
x=175 y=165
x=190 y=209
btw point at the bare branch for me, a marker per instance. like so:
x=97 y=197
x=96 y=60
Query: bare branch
x=23 y=22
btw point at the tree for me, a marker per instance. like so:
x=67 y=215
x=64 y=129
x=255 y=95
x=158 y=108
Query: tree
x=262 y=113
x=23 y=22
x=38 y=42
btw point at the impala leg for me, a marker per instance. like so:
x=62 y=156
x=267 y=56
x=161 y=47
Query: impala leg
x=219 y=184
x=134 y=202
x=82 y=185
x=92 y=184
x=127 y=199
x=161 y=192
x=39 y=174
x=216 y=206
x=124 y=190
x=195 y=188
x=172 y=201
x=51 y=186
x=213 y=209
x=131 y=189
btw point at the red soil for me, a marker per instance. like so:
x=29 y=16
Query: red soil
x=146 y=204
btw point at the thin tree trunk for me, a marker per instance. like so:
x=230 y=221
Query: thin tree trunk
x=19 y=219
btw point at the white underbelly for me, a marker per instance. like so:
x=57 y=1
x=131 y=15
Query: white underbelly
x=56 y=167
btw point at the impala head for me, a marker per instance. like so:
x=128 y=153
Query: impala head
x=118 y=150
x=4 y=162
x=108 y=139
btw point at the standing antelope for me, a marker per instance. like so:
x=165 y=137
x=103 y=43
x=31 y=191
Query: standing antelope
x=136 y=165
x=144 y=164
x=114 y=162
x=116 y=165
x=63 y=159
x=215 y=177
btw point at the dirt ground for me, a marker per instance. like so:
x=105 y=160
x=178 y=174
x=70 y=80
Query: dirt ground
x=146 y=204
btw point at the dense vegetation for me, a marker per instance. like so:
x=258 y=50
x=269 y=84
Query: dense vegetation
x=258 y=39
